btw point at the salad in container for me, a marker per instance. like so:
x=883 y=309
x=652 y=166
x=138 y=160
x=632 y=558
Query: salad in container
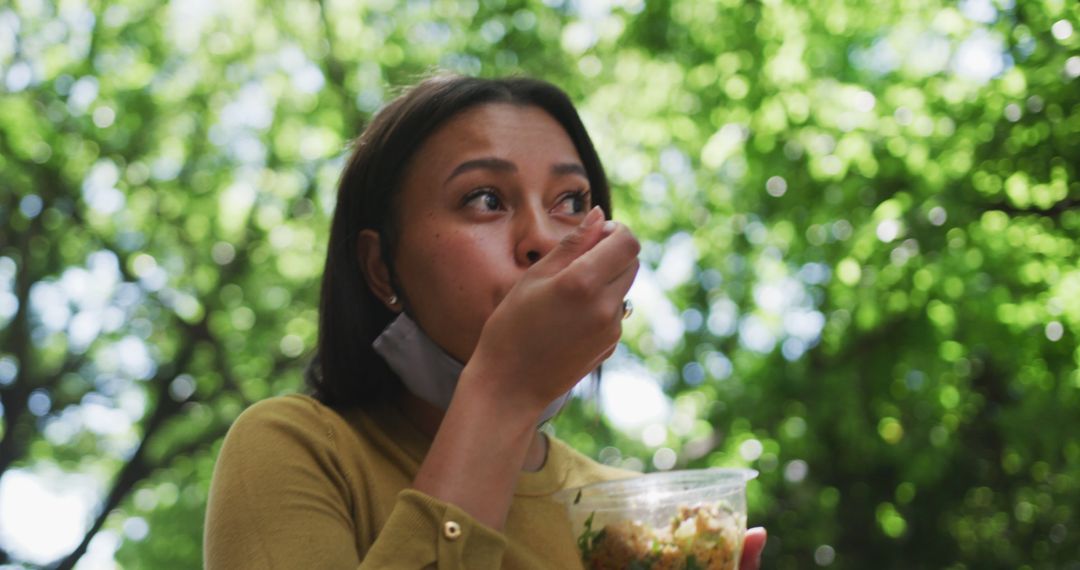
x=677 y=520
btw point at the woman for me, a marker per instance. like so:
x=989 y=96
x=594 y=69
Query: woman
x=469 y=229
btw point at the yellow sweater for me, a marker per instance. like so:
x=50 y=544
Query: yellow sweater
x=299 y=486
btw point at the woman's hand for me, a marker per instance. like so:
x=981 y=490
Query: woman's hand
x=753 y=544
x=561 y=320
x=557 y=323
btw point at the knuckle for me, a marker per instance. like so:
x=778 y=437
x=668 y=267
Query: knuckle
x=599 y=317
x=573 y=284
x=627 y=245
x=599 y=323
x=572 y=239
x=614 y=334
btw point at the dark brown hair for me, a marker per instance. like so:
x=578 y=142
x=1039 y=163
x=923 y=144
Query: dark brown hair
x=345 y=371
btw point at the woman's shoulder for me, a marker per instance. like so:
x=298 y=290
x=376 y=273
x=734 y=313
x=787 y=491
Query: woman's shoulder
x=292 y=416
x=288 y=406
x=582 y=469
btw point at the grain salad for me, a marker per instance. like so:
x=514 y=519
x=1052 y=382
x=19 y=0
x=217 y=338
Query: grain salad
x=707 y=536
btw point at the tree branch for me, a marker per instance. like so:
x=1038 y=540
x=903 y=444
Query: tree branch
x=137 y=468
x=334 y=69
x=1054 y=212
x=14 y=397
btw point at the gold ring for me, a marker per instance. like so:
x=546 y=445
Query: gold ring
x=627 y=309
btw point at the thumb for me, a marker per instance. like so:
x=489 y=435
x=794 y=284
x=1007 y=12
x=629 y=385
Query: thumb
x=577 y=242
x=753 y=544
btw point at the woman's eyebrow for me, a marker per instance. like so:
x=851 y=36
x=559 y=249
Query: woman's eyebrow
x=491 y=163
x=565 y=168
x=501 y=165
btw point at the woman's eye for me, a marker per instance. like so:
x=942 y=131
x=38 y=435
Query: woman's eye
x=576 y=202
x=484 y=199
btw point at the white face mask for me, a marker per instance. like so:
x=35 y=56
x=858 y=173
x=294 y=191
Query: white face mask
x=427 y=370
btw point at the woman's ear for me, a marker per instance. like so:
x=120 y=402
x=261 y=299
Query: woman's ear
x=376 y=272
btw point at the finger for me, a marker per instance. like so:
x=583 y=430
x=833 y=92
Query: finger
x=753 y=544
x=620 y=284
x=614 y=293
x=610 y=257
x=603 y=356
x=582 y=239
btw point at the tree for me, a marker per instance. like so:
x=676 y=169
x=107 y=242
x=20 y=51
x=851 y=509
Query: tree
x=860 y=224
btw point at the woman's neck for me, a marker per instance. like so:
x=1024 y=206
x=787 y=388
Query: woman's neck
x=427 y=418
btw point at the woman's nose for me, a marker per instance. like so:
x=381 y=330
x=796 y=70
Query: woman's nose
x=536 y=235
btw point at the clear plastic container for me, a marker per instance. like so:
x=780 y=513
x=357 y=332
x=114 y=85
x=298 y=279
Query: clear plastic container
x=684 y=520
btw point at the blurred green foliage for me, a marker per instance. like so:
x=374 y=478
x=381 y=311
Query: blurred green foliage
x=862 y=218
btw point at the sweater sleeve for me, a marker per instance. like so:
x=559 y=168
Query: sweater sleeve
x=281 y=498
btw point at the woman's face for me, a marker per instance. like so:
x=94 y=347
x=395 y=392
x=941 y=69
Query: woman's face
x=488 y=194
